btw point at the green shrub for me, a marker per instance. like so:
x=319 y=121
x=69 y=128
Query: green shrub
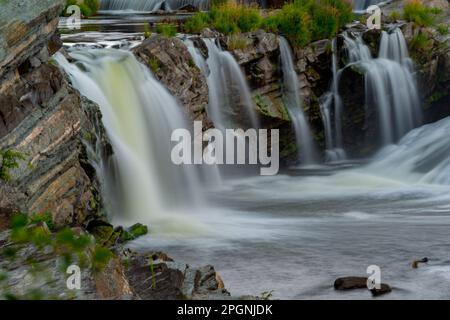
x=442 y=29
x=87 y=7
x=270 y=23
x=248 y=18
x=9 y=160
x=419 y=42
x=147 y=32
x=295 y=23
x=325 y=21
x=395 y=15
x=43 y=217
x=301 y=21
x=418 y=13
x=435 y=10
x=167 y=30
x=154 y=64
x=327 y=16
x=197 y=23
x=93 y=5
x=237 y=42
x=100 y=258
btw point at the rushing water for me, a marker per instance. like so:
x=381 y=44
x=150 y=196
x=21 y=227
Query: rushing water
x=294 y=105
x=155 y=5
x=151 y=5
x=390 y=84
x=362 y=5
x=139 y=115
x=294 y=233
x=230 y=102
x=332 y=119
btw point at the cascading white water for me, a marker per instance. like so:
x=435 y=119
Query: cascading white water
x=151 y=5
x=393 y=47
x=333 y=134
x=389 y=84
x=139 y=115
x=230 y=102
x=294 y=105
x=422 y=156
x=199 y=61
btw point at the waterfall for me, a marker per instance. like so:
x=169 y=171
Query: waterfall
x=199 y=61
x=389 y=84
x=230 y=102
x=393 y=47
x=139 y=115
x=424 y=155
x=333 y=135
x=294 y=105
x=152 y=5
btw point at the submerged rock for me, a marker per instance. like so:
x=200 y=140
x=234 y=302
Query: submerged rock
x=350 y=283
x=384 y=288
x=415 y=263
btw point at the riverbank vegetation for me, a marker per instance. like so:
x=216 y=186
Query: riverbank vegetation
x=422 y=15
x=9 y=160
x=301 y=22
x=87 y=7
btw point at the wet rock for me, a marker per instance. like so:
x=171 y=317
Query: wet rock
x=157 y=277
x=169 y=60
x=432 y=63
x=103 y=232
x=135 y=231
x=112 y=283
x=415 y=263
x=350 y=283
x=208 y=33
x=384 y=288
x=50 y=282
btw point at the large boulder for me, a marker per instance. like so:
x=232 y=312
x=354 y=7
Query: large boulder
x=155 y=276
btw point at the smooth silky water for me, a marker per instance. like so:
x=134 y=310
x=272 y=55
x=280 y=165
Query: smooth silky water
x=293 y=233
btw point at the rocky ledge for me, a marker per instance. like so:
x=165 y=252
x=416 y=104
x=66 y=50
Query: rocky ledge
x=43 y=120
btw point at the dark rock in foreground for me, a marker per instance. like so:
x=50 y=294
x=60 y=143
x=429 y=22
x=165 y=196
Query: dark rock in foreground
x=156 y=276
x=350 y=283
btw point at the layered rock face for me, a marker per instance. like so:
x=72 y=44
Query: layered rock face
x=42 y=118
x=170 y=62
x=431 y=64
